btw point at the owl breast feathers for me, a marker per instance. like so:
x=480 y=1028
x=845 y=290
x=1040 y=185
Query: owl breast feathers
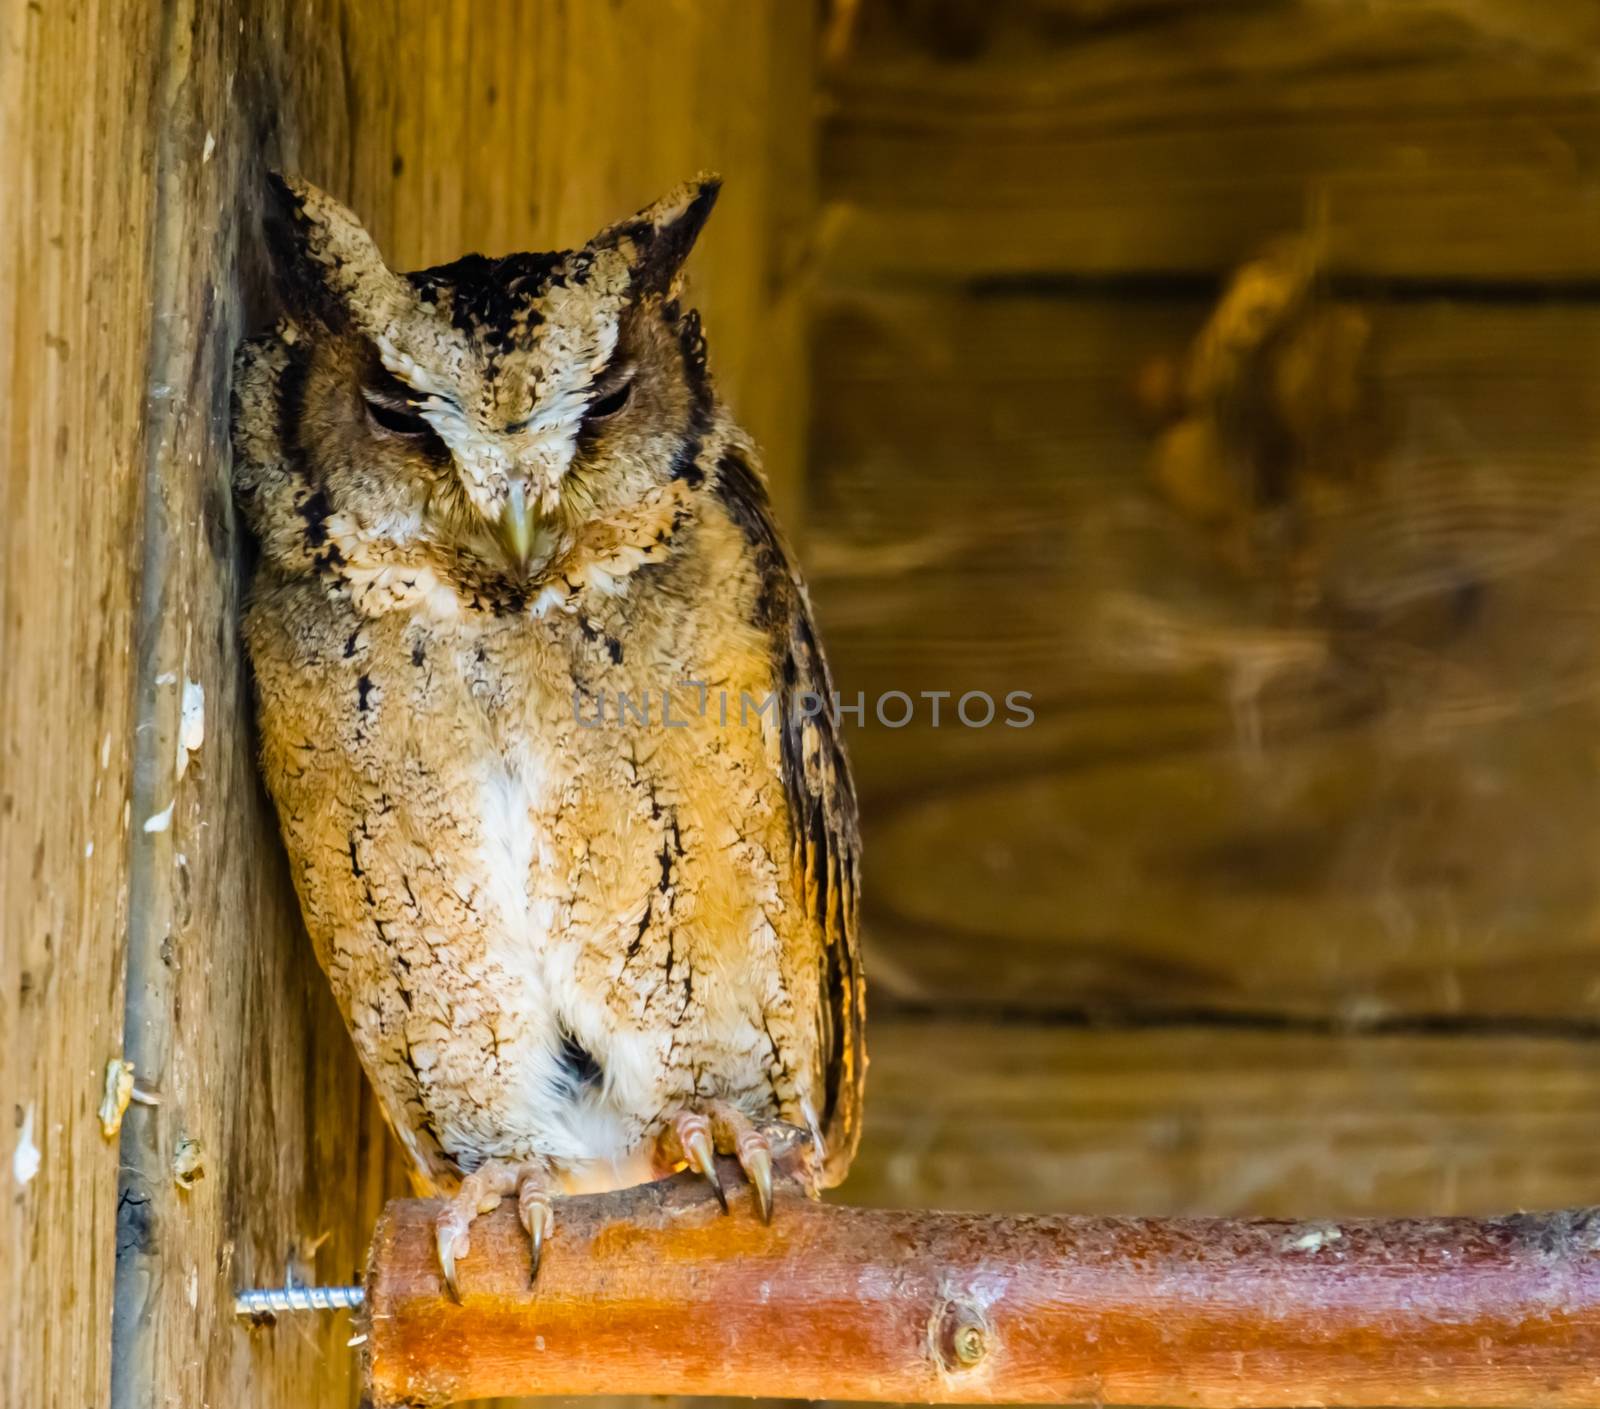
x=519 y=573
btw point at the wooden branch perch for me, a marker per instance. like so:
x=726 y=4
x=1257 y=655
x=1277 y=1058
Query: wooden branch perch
x=654 y=1291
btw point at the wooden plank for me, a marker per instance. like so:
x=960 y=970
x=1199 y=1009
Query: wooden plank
x=1005 y=434
x=449 y=127
x=1338 y=878
x=1380 y=804
x=1205 y=1121
x=1433 y=140
x=76 y=156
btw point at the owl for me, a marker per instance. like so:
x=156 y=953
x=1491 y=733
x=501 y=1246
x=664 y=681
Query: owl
x=538 y=691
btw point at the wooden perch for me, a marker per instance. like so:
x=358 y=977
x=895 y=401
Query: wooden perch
x=655 y=1291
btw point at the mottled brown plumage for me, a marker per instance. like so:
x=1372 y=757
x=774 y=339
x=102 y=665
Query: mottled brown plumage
x=573 y=945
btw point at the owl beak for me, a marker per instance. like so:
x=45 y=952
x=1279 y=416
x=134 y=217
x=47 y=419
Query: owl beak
x=519 y=523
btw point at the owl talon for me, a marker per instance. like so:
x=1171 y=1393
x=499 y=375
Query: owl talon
x=704 y=1162
x=481 y=1192
x=718 y=1190
x=758 y=1169
x=446 y=1235
x=739 y=1135
x=687 y=1141
x=695 y=1139
x=536 y=1213
x=536 y=1238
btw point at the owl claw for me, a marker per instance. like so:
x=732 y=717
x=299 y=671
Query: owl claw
x=445 y=1235
x=480 y=1192
x=697 y=1145
x=738 y=1134
x=536 y=1237
x=718 y=1190
x=538 y=1217
x=695 y=1139
x=757 y=1164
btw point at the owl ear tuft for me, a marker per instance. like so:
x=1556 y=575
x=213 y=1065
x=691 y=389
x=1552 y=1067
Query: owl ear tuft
x=658 y=239
x=328 y=267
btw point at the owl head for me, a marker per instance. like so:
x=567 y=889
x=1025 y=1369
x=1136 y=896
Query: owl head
x=493 y=429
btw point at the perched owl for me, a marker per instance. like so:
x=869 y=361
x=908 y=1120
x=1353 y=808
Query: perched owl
x=537 y=683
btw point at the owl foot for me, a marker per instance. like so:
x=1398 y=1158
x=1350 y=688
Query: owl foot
x=481 y=1192
x=696 y=1137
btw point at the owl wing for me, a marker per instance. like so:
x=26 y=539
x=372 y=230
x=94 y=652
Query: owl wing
x=824 y=828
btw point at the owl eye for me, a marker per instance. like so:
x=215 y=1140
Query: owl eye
x=393 y=414
x=609 y=404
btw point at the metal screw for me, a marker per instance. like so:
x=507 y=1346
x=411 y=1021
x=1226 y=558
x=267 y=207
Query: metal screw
x=969 y=1344
x=961 y=1337
x=289 y=1297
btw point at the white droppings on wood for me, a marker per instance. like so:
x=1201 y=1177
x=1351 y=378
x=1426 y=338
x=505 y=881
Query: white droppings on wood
x=192 y=723
x=25 y=1161
x=162 y=819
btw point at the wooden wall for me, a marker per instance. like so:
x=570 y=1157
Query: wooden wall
x=1285 y=901
x=131 y=153
x=77 y=157
x=1288 y=900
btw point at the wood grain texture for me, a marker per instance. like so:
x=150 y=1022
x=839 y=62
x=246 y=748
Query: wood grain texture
x=449 y=128
x=76 y=156
x=996 y=1112
x=655 y=1290
x=1450 y=139
x=1377 y=808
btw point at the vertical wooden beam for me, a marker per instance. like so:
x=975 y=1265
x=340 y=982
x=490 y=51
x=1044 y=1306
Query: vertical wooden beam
x=76 y=152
